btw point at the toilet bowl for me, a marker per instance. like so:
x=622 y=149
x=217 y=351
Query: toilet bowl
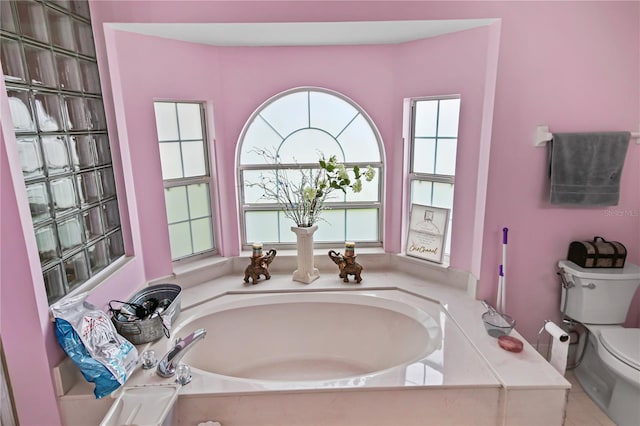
x=609 y=367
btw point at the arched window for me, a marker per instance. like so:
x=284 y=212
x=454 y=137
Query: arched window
x=297 y=128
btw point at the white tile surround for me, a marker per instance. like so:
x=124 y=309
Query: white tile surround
x=502 y=389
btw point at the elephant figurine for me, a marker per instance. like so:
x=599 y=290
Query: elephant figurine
x=259 y=266
x=347 y=265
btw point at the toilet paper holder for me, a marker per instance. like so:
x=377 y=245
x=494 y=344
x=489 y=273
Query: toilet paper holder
x=557 y=349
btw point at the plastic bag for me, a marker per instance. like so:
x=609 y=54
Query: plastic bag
x=89 y=338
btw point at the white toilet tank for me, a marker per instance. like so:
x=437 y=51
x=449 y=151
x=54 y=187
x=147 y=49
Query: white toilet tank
x=599 y=295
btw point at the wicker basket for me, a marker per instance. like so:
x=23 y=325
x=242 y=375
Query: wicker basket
x=151 y=329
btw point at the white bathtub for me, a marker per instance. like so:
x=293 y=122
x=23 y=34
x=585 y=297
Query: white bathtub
x=316 y=339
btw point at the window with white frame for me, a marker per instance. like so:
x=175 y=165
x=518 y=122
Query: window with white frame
x=434 y=141
x=186 y=175
x=299 y=126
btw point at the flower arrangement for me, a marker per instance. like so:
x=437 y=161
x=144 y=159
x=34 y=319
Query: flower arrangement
x=303 y=199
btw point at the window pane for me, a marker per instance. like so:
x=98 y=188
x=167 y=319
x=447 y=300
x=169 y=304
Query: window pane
x=446 y=157
x=30 y=158
x=20 y=108
x=180 y=239
x=176 y=202
x=53 y=282
x=77 y=117
x=330 y=113
x=61 y=29
x=88 y=188
x=190 y=121
x=170 y=160
x=288 y=113
x=98 y=256
x=82 y=151
x=166 y=121
x=47 y=243
x=362 y=225
x=332 y=228
x=93 y=227
x=252 y=193
x=11 y=59
x=70 y=233
x=32 y=20
x=193 y=159
x=84 y=38
x=201 y=234
x=107 y=182
x=68 y=72
x=426 y=118
x=262 y=226
x=116 y=245
x=111 y=216
x=90 y=76
x=6 y=17
x=442 y=195
x=424 y=155
x=48 y=112
x=40 y=66
x=55 y=154
x=199 y=205
x=285 y=224
x=448 y=118
x=369 y=190
x=64 y=194
x=103 y=150
x=77 y=270
x=359 y=142
x=307 y=145
x=38 y=202
x=95 y=114
x=258 y=135
x=421 y=192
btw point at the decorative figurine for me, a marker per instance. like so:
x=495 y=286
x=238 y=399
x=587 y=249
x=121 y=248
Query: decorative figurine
x=259 y=264
x=347 y=263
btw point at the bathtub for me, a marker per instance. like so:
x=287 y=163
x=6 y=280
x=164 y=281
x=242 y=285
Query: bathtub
x=370 y=356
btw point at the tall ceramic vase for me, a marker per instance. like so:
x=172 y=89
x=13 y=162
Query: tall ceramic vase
x=306 y=272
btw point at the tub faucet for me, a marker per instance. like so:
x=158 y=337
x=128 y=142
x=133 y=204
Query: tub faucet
x=167 y=366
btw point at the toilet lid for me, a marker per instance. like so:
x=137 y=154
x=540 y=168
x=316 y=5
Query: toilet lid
x=623 y=343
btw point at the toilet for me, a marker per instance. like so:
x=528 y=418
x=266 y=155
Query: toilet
x=609 y=357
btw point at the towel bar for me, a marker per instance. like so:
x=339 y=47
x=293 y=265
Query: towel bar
x=543 y=135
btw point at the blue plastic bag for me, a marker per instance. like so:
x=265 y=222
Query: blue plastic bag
x=90 y=339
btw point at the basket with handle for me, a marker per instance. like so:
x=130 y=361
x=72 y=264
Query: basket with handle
x=157 y=324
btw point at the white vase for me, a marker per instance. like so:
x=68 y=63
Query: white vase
x=306 y=272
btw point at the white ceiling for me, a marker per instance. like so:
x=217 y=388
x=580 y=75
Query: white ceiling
x=303 y=33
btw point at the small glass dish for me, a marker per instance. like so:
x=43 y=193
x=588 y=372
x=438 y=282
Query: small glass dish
x=497 y=324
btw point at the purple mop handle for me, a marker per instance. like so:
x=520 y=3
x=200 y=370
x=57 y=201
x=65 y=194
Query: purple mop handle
x=504 y=235
x=501 y=273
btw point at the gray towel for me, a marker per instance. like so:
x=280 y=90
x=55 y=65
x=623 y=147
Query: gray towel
x=585 y=168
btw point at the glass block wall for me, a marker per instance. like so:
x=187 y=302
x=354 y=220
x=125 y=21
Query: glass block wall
x=53 y=86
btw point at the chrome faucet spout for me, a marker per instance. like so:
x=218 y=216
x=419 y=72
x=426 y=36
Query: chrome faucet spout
x=168 y=363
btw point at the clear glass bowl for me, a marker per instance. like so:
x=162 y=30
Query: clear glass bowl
x=497 y=324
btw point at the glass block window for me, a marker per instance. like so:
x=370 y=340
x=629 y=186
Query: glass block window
x=53 y=87
x=299 y=126
x=434 y=142
x=187 y=178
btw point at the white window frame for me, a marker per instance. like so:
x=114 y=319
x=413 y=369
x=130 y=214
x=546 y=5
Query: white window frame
x=428 y=177
x=379 y=166
x=207 y=179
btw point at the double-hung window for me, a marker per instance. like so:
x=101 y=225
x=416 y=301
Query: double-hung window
x=434 y=141
x=298 y=127
x=182 y=138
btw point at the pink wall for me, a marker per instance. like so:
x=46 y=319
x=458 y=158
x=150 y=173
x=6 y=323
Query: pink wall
x=574 y=66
